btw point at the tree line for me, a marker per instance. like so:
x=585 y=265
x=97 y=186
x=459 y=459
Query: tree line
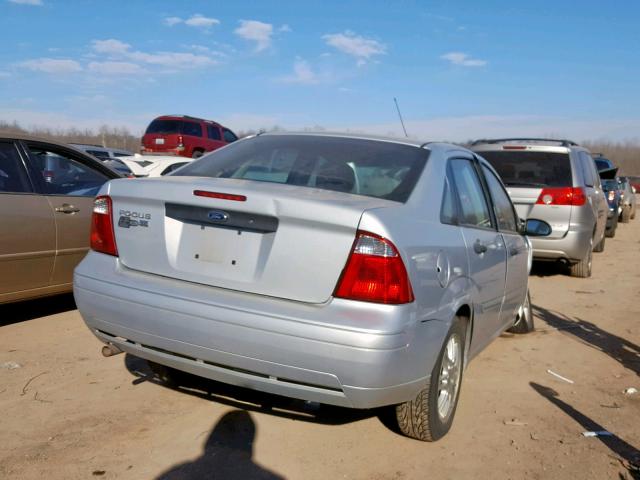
x=625 y=154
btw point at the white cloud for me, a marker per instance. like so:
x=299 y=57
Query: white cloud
x=27 y=2
x=115 y=68
x=197 y=20
x=115 y=49
x=463 y=59
x=302 y=73
x=355 y=45
x=4 y=74
x=111 y=46
x=257 y=32
x=52 y=65
x=171 y=21
x=284 y=28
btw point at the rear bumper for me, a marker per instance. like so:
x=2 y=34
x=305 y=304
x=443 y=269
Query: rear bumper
x=573 y=247
x=344 y=353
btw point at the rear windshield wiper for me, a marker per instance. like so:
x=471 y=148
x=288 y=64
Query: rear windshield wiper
x=524 y=184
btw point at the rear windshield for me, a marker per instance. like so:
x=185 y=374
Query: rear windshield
x=609 y=184
x=531 y=169
x=362 y=167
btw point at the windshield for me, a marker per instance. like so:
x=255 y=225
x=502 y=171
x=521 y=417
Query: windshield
x=362 y=167
x=531 y=169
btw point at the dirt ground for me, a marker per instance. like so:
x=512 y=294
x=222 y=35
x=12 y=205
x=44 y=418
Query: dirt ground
x=68 y=413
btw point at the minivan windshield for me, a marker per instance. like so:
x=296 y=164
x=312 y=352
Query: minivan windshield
x=363 y=167
x=531 y=169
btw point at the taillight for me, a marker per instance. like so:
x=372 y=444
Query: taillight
x=180 y=142
x=612 y=195
x=562 y=196
x=374 y=272
x=102 y=235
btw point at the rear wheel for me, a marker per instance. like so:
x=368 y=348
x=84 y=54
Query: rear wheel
x=600 y=246
x=582 y=269
x=197 y=154
x=626 y=214
x=429 y=416
x=524 y=323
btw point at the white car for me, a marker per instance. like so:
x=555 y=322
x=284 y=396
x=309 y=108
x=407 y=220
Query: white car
x=147 y=166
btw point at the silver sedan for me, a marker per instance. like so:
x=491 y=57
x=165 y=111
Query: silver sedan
x=354 y=271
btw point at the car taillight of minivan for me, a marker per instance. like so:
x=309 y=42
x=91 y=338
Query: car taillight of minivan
x=103 y=238
x=574 y=196
x=374 y=272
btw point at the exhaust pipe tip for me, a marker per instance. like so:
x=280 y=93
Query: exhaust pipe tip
x=109 y=350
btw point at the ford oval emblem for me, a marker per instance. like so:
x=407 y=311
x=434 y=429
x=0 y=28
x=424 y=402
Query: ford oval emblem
x=218 y=216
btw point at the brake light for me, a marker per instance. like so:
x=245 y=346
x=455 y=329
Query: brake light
x=221 y=196
x=574 y=196
x=103 y=238
x=514 y=147
x=180 y=142
x=374 y=272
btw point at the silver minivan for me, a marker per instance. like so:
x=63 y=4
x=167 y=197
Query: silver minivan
x=555 y=181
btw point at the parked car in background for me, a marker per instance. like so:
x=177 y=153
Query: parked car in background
x=611 y=188
x=352 y=271
x=102 y=153
x=628 y=202
x=635 y=183
x=555 y=181
x=184 y=136
x=156 y=166
x=46 y=203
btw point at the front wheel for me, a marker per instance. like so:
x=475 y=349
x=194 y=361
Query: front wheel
x=600 y=246
x=524 y=322
x=429 y=416
x=582 y=269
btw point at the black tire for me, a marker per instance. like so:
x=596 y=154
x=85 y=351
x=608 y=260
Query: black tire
x=626 y=214
x=600 y=246
x=582 y=269
x=167 y=375
x=524 y=322
x=197 y=154
x=419 y=418
x=633 y=213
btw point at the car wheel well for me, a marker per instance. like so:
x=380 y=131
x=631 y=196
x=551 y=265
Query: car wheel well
x=465 y=314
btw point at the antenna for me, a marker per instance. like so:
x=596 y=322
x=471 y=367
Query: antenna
x=400 y=115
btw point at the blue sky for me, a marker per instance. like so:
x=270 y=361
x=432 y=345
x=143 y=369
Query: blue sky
x=460 y=70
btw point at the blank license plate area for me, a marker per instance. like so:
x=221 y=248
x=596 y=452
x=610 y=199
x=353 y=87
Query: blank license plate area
x=219 y=253
x=159 y=141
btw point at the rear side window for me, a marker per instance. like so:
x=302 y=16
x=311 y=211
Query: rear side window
x=588 y=170
x=505 y=214
x=229 y=136
x=448 y=210
x=13 y=177
x=362 y=167
x=213 y=132
x=531 y=169
x=474 y=210
x=192 y=128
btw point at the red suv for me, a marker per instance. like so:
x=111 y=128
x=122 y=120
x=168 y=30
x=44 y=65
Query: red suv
x=184 y=136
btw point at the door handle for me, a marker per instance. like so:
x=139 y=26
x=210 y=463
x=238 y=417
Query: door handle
x=67 y=208
x=479 y=247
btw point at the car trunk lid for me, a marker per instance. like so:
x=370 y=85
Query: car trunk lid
x=278 y=240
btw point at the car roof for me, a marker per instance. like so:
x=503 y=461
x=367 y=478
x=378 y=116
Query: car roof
x=187 y=117
x=364 y=136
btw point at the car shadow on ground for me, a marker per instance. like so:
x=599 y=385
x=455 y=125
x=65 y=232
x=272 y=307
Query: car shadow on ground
x=256 y=401
x=548 y=269
x=618 y=348
x=628 y=454
x=40 y=307
x=227 y=453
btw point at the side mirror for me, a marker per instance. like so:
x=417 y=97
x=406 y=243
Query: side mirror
x=537 y=228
